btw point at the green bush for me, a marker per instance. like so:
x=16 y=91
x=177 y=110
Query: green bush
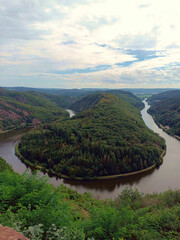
x=40 y=211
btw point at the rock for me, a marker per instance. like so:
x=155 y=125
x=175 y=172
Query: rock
x=7 y=233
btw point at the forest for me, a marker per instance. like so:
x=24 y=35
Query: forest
x=19 y=110
x=22 y=107
x=157 y=98
x=107 y=138
x=38 y=210
x=166 y=111
x=91 y=99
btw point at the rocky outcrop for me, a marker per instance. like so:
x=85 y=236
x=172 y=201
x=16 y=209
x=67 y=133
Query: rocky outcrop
x=7 y=233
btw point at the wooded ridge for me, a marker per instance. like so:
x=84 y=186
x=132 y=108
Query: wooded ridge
x=107 y=138
x=166 y=111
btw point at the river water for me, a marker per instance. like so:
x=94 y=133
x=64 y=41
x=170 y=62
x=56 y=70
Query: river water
x=71 y=113
x=156 y=180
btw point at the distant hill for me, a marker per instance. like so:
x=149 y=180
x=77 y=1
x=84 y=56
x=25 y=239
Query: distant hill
x=166 y=111
x=19 y=109
x=128 y=96
x=24 y=108
x=164 y=96
x=92 y=99
x=57 y=91
x=147 y=91
x=107 y=138
x=85 y=91
x=33 y=96
x=86 y=102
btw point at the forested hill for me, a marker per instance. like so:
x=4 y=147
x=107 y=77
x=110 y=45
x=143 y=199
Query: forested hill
x=167 y=115
x=39 y=99
x=129 y=97
x=92 y=99
x=156 y=98
x=85 y=91
x=57 y=91
x=86 y=102
x=23 y=109
x=165 y=108
x=106 y=139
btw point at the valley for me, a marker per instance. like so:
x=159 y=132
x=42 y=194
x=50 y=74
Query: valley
x=114 y=205
x=155 y=180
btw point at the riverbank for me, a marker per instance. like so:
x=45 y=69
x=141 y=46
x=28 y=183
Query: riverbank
x=10 y=130
x=50 y=171
x=164 y=128
x=17 y=128
x=30 y=164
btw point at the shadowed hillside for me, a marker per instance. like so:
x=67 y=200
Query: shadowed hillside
x=166 y=111
x=156 y=98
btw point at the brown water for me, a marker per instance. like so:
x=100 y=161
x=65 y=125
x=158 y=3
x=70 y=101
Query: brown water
x=157 y=180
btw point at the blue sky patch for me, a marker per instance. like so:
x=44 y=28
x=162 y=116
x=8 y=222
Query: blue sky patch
x=126 y=64
x=83 y=70
x=143 y=55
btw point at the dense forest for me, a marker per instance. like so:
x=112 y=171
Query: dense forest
x=30 y=108
x=30 y=205
x=166 y=111
x=108 y=138
x=156 y=98
x=92 y=99
x=22 y=107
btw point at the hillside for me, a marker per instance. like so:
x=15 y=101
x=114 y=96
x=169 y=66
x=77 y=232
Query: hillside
x=106 y=139
x=85 y=91
x=38 y=98
x=129 y=97
x=25 y=109
x=86 y=102
x=92 y=99
x=57 y=91
x=167 y=115
x=156 y=98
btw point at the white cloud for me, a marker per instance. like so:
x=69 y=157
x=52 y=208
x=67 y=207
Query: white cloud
x=51 y=36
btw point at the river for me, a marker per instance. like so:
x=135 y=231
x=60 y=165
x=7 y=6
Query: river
x=156 y=180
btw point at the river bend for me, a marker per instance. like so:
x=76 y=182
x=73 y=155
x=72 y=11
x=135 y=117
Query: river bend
x=156 y=180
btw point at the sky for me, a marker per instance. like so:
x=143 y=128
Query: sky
x=90 y=43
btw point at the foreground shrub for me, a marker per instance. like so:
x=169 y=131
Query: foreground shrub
x=40 y=211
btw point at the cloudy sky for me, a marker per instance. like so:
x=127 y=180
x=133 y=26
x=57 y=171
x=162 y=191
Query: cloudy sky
x=90 y=43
